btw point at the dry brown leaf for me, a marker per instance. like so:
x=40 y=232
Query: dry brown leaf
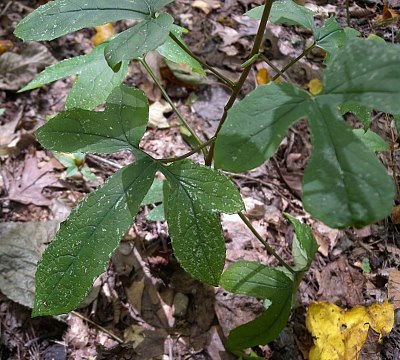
x=206 y=5
x=5 y=45
x=103 y=32
x=27 y=183
x=394 y=287
x=395 y=215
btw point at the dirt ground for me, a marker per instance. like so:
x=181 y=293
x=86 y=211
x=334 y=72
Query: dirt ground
x=145 y=306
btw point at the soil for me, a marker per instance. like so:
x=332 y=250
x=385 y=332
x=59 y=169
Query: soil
x=145 y=306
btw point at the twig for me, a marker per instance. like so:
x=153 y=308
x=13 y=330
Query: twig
x=115 y=337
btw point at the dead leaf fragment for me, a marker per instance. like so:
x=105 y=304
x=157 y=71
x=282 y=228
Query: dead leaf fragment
x=395 y=215
x=340 y=334
x=5 y=45
x=103 y=32
x=206 y=5
x=157 y=118
x=394 y=287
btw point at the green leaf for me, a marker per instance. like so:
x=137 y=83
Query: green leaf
x=304 y=245
x=95 y=79
x=87 y=173
x=214 y=190
x=2 y=111
x=82 y=248
x=330 y=37
x=362 y=113
x=254 y=279
x=156 y=214
x=194 y=195
x=139 y=39
x=173 y=52
x=371 y=140
x=257 y=125
x=344 y=183
x=60 y=17
x=396 y=118
x=366 y=73
x=65 y=159
x=119 y=127
x=286 y=12
x=155 y=194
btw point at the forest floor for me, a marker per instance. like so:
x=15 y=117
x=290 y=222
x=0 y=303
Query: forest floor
x=145 y=306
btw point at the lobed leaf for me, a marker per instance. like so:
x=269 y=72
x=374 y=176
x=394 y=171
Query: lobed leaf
x=285 y=12
x=194 y=196
x=344 y=183
x=60 y=17
x=256 y=126
x=366 y=73
x=85 y=242
x=96 y=80
x=119 y=127
x=139 y=39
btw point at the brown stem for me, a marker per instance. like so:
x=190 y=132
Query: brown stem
x=238 y=86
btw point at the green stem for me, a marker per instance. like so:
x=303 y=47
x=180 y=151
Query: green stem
x=269 y=249
x=184 y=156
x=272 y=66
x=294 y=61
x=348 y=12
x=177 y=112
x=220 y=76
x=245 y=73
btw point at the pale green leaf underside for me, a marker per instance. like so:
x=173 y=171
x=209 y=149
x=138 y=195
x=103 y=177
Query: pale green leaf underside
x=286 y=12
x=85 y=242
x=155 y=194
x=95 y=81
x=156 y=214
x=304 y=244
x=371 y=140
x=60 y=17
x=139 y=39
x=173 y=52
x=344 y=183
x=257 y=280
x=254 y=279
x=256 y=126
x=119 y=127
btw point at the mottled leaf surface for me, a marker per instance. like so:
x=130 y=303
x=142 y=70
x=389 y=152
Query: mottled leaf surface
x=254 y=279
x=139 y=39
x=95 y=81
x=194 y=196
x=256 y=126
x=85 y=242
x=60 y=17
x=362 y=113
x=119 y=127
x=344 y=183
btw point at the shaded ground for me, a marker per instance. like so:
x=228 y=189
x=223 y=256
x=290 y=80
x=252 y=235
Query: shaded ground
x=145 y=306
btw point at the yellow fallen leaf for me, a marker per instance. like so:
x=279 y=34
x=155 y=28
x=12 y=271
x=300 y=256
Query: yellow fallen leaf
x=5 y=45
x=262 y=77
x=340 y=334
x=315 y=86
x=103 y=32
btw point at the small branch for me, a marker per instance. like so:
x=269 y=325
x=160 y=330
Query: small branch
x=177 y=112
x=348 y=12
x=184 y=156
x=238 y=86
x=220 y=76
x=294 y=61
x=269 y=249
x=272 y=66
x=115 y=337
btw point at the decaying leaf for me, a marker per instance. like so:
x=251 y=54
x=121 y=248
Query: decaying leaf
x=340 y=334
x=315 y=86
x=206 y=5
x=103 y=32
x=18 y=69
